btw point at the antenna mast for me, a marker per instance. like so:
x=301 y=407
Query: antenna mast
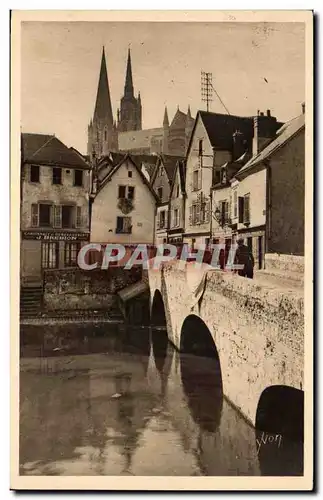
x=206 y=88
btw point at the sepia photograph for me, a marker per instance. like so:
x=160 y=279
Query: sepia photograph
x=162 y=250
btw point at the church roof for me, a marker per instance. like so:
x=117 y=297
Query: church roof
x=49 y=150
x=179 y=121
x=103 y=108
x=128 y=88
x=138 y=139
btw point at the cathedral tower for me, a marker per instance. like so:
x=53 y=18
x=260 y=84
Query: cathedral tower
x=129 y=116
x=102 y=133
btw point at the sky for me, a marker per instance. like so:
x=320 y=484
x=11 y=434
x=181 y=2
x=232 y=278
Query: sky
x=255 y=66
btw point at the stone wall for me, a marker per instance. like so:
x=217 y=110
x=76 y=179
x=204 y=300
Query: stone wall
x=258 y=329
x=284 y=263
x=87 y=290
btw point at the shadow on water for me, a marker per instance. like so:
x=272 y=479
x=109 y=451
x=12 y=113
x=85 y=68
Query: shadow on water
x=280 y=431
x=201 y=374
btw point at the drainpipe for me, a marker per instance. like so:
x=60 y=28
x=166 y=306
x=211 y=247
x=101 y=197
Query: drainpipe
x=268 y=225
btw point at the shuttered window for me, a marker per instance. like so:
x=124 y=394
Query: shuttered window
x=78 y=221
x=241 y=204
x=57 y=216
x=246 y=209
x=34 y=215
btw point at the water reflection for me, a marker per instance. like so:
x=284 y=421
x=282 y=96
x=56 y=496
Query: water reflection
x=140 y=408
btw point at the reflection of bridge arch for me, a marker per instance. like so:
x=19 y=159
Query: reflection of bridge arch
x=280 y=431
x=158 y=314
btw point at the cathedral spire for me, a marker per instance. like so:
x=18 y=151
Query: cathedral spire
x=128 y=88
x=165 y=121
x=103 y=108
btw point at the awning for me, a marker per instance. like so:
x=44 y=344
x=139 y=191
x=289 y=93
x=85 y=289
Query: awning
x=132 y=291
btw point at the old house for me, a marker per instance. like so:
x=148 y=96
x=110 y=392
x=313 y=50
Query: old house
x=123 y=205
x=161 y=183
x=217 y=140
x=270 y=194
x=177 y=204
x=55 y=183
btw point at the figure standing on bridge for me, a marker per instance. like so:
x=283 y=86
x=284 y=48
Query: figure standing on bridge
x=244 y=257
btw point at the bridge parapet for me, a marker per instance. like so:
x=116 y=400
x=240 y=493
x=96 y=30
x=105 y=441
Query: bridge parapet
x=257 y=327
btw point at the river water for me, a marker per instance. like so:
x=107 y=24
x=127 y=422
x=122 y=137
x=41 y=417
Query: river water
x=125 y=405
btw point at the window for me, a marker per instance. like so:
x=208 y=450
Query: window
x=235 y=204
x=34 y=173
x=200 y=147
x=78 y=220
x=224 y=212
x=124 y=225
x=45 y=212
x=57 y=175
x=177 y=191
x=122 y=192
x=162 y=219
x=105 y=135
x=203 y=213
x=57 y=216
x=160 y=193
x=130 y=173
x=195 y=214
x=71 y=253
x=246 y=209
x=131 y=192
x=126 y=192
x=197 y=180
x=216 y=176
x=78 y=177
x=176 y=217
x=49 y=255
x=68 y=216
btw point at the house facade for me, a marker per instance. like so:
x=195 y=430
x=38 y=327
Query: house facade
x=161 y=183
x=55 y=184
x=123 y=206
x=270 y=194
x=219 y=146
x=177 y=205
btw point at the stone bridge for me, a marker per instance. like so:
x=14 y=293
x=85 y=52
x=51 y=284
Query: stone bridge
x=253 y=328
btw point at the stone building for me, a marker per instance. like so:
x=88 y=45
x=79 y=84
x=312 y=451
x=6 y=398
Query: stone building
x=217 y=141
x=105 y=134
x=102 y=129
x=129 y=114
x=55 y=184
x=123 y=205
x=177 y=204
x=161 y=183
x=270 y=192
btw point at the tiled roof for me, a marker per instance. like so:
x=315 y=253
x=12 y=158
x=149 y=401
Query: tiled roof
x=284 y=134
x=169 y=163
x=220 y=128
x=49 y=150
x=179 y=120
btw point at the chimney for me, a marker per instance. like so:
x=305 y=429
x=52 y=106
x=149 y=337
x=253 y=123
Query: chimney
x=261 y=113
x=264 y=130
x=303 y=108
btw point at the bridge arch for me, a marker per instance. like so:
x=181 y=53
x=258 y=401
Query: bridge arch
x=201 y=373
x=280 y=431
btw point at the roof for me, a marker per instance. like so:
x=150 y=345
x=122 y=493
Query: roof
x=181 y=169
x=138 y=139
x=283 y=135
x=169 y=163
x=49 y=150
x=116 y=168
x=103 y=108
x=221 y=127
x=179 y=120
x=133 y=291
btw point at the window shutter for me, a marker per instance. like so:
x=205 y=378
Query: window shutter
x=34 y=215
x=197 y=217
x=199 y=179
x=190 y=215
x=57 y=216
x=78 y=221
x=246 y=211
x=207 y=212
x=158 y=220
x=240 y=208
x=226 y=212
